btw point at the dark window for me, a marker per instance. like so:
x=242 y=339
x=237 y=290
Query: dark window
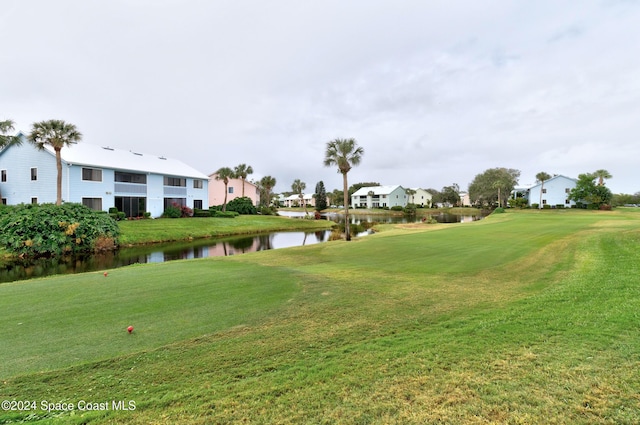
x=175 y=181
x=4 y=175
x=4 y=201
x=131 y=206
x=197 y=203
x=130 y=178
x=91 y=174
x=544 y=190
x=34 y=200
x=197 y=184
x=34 y=174
x=93 y=203
x=230 y=189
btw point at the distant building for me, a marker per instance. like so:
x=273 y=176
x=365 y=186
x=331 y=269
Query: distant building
x=379 y=197
x=234 y=190
x=100 y=178
x=294 y=200
x=555 y=192
x=421 y=197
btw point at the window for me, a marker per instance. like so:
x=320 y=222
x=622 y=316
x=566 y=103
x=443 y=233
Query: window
x=197 y=203
x=4 y=201
x=175 y=181
x=230 y=189
x=197 y=184
x=34 y=174
x=544 y=190
x=130 y=177
x=34 y=200
x=566 y=201
x=4 y=175
x=93 y=203
x=544 y=202
x=91 y=174
x=567 y=190
x=131 y=206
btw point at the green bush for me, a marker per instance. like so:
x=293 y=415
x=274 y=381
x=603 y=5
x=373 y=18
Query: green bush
x=242 y=205
x=224 y=214
x=197 y=212
x=499 y=210
x=535 y=206
x=397 y=208
x=172 y=211
x=49 y=230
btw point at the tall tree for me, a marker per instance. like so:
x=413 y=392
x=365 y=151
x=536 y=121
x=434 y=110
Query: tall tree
x=588 y=192
x=542 y=177
x=242 y=171
x=298 y=187
x=57 y=134
x=410 y=193
x=267 y=183
x=321 y=196
x=493 y=185
x=451 y=194
x=601 y=175
x=6 y=139
x=224 y=174
x=344 y=153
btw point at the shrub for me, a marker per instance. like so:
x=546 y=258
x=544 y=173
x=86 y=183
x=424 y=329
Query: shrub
x=197 y=212
x=172 y=211
x=410 y=209
x=268 y=210
x=49 y=230
x=396 y=208
x=499 y=210
x=242 y=205
x=535 y=206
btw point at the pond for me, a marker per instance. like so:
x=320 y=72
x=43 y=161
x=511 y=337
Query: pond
x=203 y=248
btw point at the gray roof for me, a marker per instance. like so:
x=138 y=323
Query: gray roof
x=120 y=159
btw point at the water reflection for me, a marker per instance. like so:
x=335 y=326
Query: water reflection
x=159 y=253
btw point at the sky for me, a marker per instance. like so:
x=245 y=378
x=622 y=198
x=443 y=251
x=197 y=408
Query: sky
x=435 y=92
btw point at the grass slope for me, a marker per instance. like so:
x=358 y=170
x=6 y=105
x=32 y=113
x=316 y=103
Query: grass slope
x=174 y=229
x=525 y=317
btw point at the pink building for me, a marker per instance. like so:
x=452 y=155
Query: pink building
x=234 y=190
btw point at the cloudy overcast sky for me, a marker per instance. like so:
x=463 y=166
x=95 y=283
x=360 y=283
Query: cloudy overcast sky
x=435 y=92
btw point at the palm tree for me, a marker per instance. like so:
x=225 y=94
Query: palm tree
x=410 y=193
x=57 y=134
x=243 y=171
x=5 y=139
x=542 y=177
x=298 y=187
x=268 y=183
x=345 y=153
x=224 y=174
x=601 y=175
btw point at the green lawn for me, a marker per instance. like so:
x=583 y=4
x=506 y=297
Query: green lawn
x=524 y=317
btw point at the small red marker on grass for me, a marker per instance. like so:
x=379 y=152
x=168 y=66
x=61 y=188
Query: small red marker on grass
x=130 y=329
x=105 y=274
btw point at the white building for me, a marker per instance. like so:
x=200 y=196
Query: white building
x=100 y=178
x=379 y=197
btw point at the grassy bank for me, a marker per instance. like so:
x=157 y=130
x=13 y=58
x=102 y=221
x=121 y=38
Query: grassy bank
x=174 y=229
x=524 y=317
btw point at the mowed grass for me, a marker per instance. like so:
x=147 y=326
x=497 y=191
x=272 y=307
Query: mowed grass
x=175 y=229
x=524 y=317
